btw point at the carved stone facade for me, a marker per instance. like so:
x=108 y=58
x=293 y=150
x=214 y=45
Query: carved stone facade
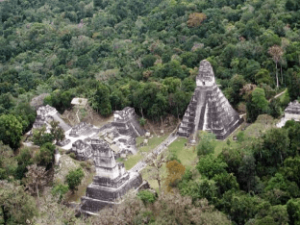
x=82 y=150
x=126 y=123
x=209 y=109
x=82 y=129
x=111 y=182
x=292 y=112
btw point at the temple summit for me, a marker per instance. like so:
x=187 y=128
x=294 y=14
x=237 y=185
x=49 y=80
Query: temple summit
x=208 y=109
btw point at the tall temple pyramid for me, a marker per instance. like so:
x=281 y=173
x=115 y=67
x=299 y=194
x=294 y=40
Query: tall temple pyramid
x=209 y=109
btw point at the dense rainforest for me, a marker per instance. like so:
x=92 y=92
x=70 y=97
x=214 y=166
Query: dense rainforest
x=145 y=54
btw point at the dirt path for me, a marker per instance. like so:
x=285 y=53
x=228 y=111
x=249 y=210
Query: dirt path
x=278 y=95
x=159 y=149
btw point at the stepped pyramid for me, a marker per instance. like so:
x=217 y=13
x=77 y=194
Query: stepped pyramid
x=209 y=109
x=111 y=182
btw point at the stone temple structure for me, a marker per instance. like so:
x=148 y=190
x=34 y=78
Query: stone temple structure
x=82 y=150
x=46 y=114
x=111 y=182
x=208 y=109
x=292 y=112
x=119 y=134
x=126 y=122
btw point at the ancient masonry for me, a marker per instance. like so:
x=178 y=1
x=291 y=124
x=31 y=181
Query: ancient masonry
x=292 y=112
x=46 y=114
x=209 y=109
x=126 y=123
x=120 y=135
x=111 y=182
x=102 y=145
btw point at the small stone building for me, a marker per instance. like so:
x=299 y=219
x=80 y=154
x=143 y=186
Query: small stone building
x=292 y=112
x=79 y=102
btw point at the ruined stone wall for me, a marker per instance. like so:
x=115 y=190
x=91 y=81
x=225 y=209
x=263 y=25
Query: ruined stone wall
x=98 y=196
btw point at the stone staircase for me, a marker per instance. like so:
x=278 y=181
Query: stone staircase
x=193 y=114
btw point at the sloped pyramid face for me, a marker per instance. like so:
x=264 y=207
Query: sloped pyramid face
x=209 y=109
x=111 y=182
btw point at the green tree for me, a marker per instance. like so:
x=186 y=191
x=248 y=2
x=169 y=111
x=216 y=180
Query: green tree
x=256 y=104
x=258 y=98
x=190 y=59
x=56 y=131
x=239 y=206
x=247 y=172
x=233 y=93
x=10 y=130
x=17 y=207
x=293 y=208
x=293 y=129
x=147 y=196
x=74 y=178
x=24 y=159
x=276 y=146
x=40 y=136
x=45 y=156
x=263 y=76
x=101 y=101
x=276 y=52
x=7 y=161
x=26 y=115
x=279 y=182
x=275 y=109
x=294 y=86
x=291 y=169
x=207 y=144
x=209 y=166
x=233 y=157
x=148 y=61
x=225 y=182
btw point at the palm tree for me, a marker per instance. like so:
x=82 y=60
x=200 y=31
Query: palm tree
x=276 y=52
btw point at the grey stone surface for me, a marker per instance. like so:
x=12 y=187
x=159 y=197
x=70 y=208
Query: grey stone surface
x=292 y=112
x=126 y=122
x=111 y=182
x=46 y=114
x=208 y=109
x=82 y=129
x=82 y=150
x=38 y=101
x=120 y=134
x=293 y=108
x=123 y=131
x=63 y=142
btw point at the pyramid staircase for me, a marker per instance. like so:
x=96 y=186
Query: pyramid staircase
x=209 y=110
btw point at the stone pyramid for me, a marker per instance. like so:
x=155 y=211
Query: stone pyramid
x=111 y=182
x=208 y=109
